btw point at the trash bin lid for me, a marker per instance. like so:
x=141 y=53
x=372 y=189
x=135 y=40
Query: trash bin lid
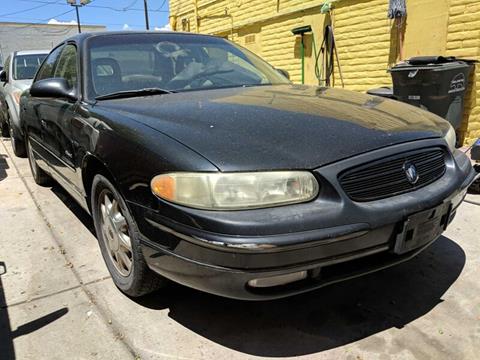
x=407 y=66
x=428 y=60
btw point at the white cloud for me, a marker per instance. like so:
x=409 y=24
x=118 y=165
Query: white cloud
x=164 y=28
x=126 y=27
x=56 y=22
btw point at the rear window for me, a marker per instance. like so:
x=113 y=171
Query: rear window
x=25 y=66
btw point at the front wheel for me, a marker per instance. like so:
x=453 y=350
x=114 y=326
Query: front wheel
x=39 y=176
x=118 y=238
x=5 y=130
x=475 y=187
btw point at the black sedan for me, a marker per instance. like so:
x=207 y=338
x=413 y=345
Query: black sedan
x=202 y=164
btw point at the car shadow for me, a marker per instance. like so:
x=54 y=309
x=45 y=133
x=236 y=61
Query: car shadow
x=323 y=319
x=74 y=207
x=6 y=340
x=3 y=166
x=7 y=335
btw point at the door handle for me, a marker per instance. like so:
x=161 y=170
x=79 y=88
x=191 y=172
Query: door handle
x=43 y=123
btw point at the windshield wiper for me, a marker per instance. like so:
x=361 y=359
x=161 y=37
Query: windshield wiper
x=133 y=93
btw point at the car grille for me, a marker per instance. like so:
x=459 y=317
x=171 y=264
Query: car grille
x=387 y=177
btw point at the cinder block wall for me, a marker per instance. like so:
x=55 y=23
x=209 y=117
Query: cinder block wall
x=23 y=36
x=367 y=40
x=463 y=40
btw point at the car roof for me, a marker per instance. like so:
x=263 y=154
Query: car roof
x=31 y=52
x=84 y=36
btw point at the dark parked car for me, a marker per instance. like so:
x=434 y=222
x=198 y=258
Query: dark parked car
x=201 y=163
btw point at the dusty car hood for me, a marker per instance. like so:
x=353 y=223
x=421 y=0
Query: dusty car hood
x=279 y=127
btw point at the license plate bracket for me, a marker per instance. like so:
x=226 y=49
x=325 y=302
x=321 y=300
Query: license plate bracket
x=421 y=228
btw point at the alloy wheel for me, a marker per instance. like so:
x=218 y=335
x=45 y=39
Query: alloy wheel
x=115 y=233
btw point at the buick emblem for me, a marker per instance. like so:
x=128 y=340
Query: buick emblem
x=411 y=172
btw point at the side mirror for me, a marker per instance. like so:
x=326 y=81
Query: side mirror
x=53 y=88
x=3 y=76
x=284 y=73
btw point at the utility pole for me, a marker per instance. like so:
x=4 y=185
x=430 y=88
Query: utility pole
x=145 y=5
x=76 y=6
x=78 y=19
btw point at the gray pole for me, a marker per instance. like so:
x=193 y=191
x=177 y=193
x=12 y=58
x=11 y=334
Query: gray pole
x=78 y=19
x=145 y=5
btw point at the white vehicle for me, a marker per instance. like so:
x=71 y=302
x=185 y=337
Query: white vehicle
x=17 y=76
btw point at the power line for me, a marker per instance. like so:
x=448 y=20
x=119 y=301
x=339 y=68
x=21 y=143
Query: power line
x=100 y=6
x=86 y=24
x=161 y=6
x=132 y=4
x=123 y=10
x=45 y=3
x=42 y=21
x=60 y=3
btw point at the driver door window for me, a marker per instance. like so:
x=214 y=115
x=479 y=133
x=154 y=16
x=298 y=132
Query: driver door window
x=47 y=69
x=67 y=66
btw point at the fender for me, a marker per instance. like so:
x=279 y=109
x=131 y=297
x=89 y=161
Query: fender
x=14 y=111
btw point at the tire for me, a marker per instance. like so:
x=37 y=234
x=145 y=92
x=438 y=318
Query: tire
x=118 y=237
x=475 y=187
x=18 y=143
x=39 y=176
x=5 y=130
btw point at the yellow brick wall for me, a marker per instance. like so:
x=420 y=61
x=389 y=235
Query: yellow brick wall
x=463 y=40
x=362 y=31
x=366 y=39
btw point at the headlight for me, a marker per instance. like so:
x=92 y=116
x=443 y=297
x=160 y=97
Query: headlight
x=451 y=139
x=236 y=191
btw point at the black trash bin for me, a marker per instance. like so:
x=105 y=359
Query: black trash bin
x=437 y=84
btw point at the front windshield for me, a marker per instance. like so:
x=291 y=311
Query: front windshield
x=173 y=62
x=25 y=66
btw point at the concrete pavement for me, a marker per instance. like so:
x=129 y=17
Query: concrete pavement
x=57 y=300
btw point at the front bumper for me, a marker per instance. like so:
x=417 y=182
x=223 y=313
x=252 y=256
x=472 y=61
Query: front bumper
x=332 y=238
x=233 y=283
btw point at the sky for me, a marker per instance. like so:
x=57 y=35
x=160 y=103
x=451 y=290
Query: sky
x=115 y=14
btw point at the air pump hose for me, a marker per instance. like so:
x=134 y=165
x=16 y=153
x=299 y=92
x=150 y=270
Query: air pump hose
x=326 y=55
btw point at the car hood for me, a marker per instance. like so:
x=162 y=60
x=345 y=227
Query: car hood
x=279 y=127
